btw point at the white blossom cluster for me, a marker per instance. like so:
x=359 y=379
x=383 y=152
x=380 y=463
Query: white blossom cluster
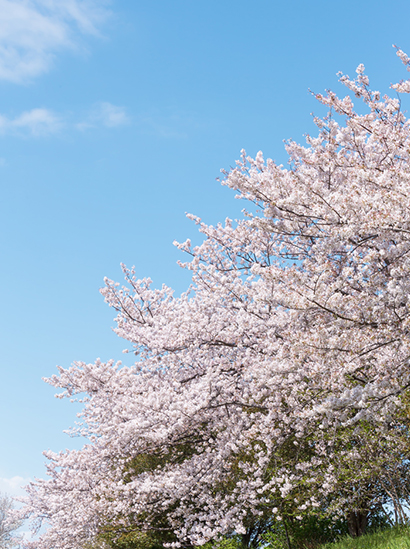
x=297 y=321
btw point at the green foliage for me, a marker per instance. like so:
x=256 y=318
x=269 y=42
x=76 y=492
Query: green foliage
x=391 y=538
x=233 y=542
x=311 y=532
x=132 y=539
x=308 y=533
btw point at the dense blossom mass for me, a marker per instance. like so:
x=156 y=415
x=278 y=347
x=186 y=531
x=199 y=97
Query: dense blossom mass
x=296 y=327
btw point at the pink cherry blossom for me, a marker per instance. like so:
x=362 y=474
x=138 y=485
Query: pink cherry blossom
x=297 y=320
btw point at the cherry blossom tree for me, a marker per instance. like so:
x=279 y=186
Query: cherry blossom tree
x=295 y=327
x=8 y=526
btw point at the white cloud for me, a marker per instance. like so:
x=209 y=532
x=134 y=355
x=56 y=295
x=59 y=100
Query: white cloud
x=105 y=114
x=13 y=486
x=37 y=122
x=33 y=31
x=112 y=116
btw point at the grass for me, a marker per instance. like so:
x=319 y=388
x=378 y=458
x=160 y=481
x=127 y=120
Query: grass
x=395 y=538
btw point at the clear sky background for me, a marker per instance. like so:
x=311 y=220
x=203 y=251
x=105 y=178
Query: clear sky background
x=115 y=120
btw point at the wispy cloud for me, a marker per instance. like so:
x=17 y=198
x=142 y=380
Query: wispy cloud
x=33 y=31
x=37 y=122
x=105 y=114
x=42 y=122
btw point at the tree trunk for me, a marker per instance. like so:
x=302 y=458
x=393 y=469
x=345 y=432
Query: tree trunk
x=287 y=535
x=357 y=523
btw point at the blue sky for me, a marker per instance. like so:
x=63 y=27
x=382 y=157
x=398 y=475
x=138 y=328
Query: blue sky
x=115 y=119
